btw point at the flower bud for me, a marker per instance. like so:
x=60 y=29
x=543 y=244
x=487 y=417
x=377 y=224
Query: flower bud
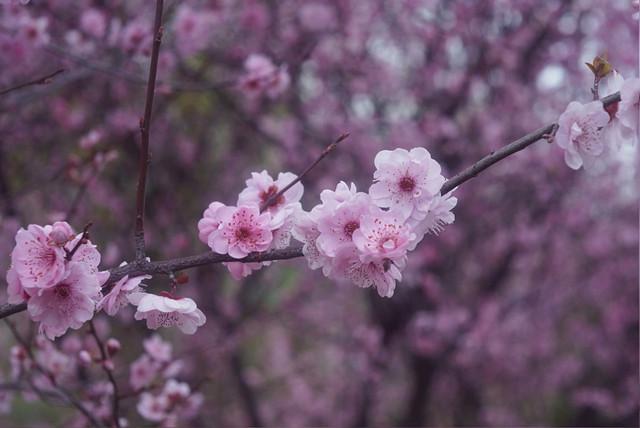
x=61 y=233
x=85 y=357
x=113 y=346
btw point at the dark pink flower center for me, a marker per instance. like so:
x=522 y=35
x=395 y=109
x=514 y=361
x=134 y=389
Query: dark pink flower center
x=243 y=233
x=351 y=227
x=407 y=184
x=63 y=291
x=270 y=192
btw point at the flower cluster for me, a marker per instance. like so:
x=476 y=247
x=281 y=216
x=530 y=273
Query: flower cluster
x=365 y=237
x=155 y=369
x=263 y=77
x=586 y=131
x=56 y=272
x=252 y=226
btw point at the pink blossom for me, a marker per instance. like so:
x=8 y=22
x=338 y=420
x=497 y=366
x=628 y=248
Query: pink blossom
x=157 y=348
x=381 y=274
x=317 y=16
x=383 y=235
x=406 y=180
x=261 y=186
x=136 y=37
x=117 y=297
x=94 y=22
x=262 y=76
x=37 y=260
x=142 y=372
x=153 y=407
x=306 y=231
x=167 y=311
x=210 y=221
x=68 y=304
x=34 y=30
x=193 y=29
x=15 y=291
x=337 y=225
x=438 y=214
x=239 y=270
x=580 y=133
x=242 y=230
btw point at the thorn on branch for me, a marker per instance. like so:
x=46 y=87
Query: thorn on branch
x=273 y=198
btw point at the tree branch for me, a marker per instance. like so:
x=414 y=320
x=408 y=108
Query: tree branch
x=115 y=401
x=168 y=266
x=273 y=198
x=39 y=81
x=145 y=124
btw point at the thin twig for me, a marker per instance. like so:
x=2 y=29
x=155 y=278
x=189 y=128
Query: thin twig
x=165 y=267
x=82 y=240
x=145 y=124
x=57 y=387
x=273 y=198
x=115 y=402
x=39 y=81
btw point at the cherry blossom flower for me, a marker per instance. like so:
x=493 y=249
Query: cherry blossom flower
x=580 y=133
x=438 y=214
x=94 y=22
x=117 y=297
x=167 y=311
x=337 y=226
x=34 y=30
x=68 y=304
x=157 y=348
x=242 y=230
x=175 y=402
x=261 y=186
x=210 y=221
x=142 y=372
x=38 y=261
x=153 y=407
x=262 y=76
x=306 y=231
x=381 y=274
x=383 y=235
x=406 y=180
x=239 y=270
x=193 y=29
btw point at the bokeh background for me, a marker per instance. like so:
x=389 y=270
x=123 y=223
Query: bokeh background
x=523 y=312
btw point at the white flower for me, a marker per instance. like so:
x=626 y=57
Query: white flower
x=167 y=311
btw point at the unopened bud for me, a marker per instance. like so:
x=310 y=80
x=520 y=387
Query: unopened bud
x=113 y=346
x=85 y=357
x=108 y=364
x=60 y=233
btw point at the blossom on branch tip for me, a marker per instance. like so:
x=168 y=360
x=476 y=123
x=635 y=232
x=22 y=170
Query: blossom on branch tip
x=406 y=180
x=167 y=311
x=580 y=133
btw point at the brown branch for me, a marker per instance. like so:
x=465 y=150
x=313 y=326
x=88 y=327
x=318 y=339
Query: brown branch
x=145 y=124
x=82 y=240
x=39 y=81
x=115 y=402
x=273 y=198
x=510 y=149
x=168 y=266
